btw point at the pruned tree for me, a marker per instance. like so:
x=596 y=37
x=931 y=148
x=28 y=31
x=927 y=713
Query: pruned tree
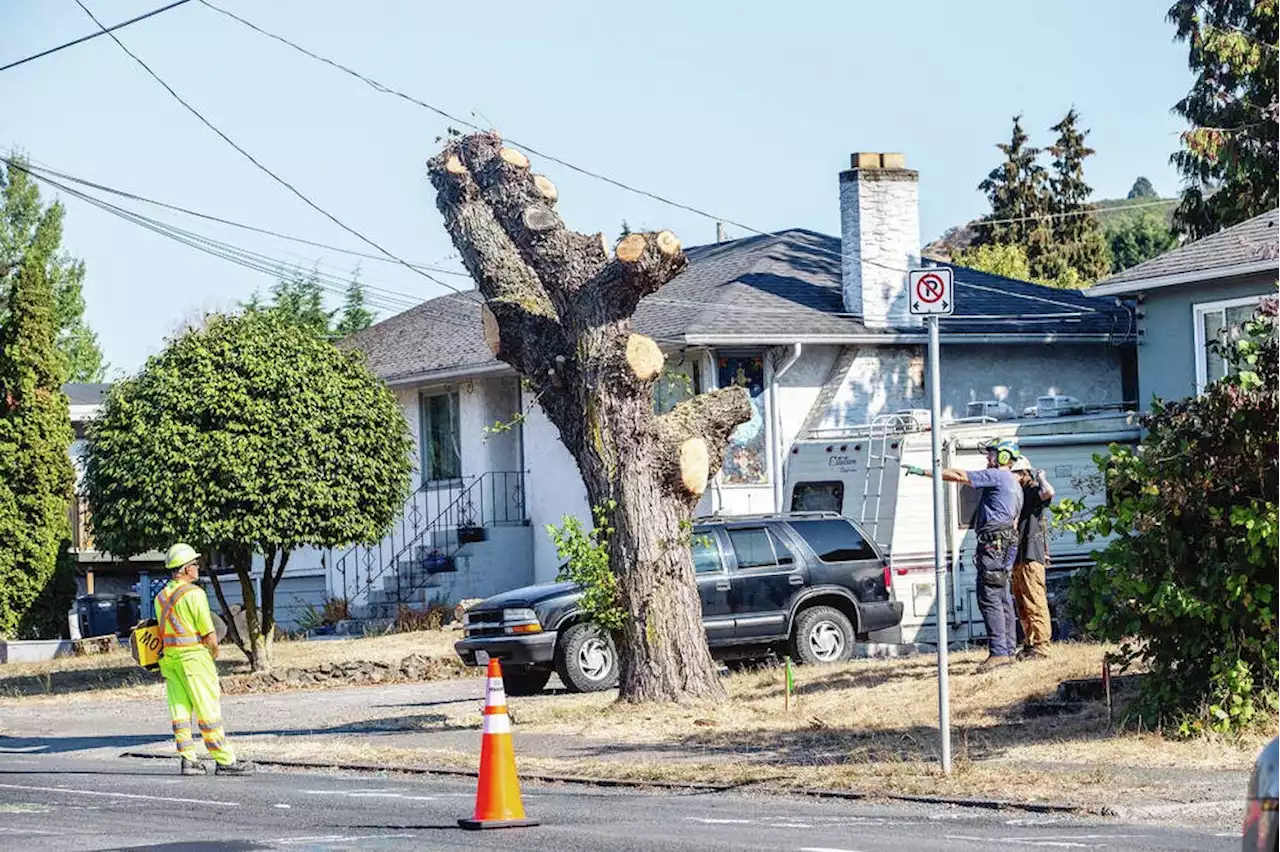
x=557 y=308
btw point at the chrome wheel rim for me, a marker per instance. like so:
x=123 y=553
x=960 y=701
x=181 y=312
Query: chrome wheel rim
x=595 y=659
x=826 y=641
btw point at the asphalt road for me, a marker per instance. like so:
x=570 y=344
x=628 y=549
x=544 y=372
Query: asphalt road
x=65 y=803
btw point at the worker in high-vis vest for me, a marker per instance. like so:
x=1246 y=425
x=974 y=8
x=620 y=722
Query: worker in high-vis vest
x=191 y=680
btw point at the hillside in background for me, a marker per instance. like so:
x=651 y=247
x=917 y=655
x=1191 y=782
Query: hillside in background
x=1137 y=228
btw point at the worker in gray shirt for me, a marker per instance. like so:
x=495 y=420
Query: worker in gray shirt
x=996 y=525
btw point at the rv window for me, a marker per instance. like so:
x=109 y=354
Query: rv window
x=757 y=548
x=817 y=497
x=834 y=540
x=706 y=552
x=968 y=500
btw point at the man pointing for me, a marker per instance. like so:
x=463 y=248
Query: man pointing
x=996 y=525
x=191 y=680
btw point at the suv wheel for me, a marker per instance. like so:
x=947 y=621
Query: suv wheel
x=586 y=659
x=822 y=634
x=525 y=681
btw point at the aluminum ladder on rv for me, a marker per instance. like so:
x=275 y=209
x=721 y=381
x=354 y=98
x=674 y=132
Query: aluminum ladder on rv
x=883 y=428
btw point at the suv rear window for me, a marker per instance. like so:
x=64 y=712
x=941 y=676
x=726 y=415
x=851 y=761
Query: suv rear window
x=834 y=540
x=818 y=497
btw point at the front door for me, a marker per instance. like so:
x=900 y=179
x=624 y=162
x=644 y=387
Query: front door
x=765 y=576
x=713 y=585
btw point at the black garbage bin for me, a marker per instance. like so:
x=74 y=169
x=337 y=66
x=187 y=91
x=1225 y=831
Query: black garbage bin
x=97 y=615
x=128 y=613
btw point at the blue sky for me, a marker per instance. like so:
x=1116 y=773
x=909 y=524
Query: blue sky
x=748 y=110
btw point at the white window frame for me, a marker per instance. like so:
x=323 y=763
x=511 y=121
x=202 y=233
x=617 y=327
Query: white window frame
x=426 y=475
x=1198 y=312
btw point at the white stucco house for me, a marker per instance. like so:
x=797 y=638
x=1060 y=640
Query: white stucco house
x=817 y=327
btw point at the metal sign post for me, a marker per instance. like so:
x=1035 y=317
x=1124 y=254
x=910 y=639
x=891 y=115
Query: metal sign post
x=931 y=295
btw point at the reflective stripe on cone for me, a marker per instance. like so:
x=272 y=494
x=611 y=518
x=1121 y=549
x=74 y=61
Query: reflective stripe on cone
x=498 y=803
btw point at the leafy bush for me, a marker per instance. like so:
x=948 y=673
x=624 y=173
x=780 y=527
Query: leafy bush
x=332 y=611
x=587 y=555
x=1188 y=584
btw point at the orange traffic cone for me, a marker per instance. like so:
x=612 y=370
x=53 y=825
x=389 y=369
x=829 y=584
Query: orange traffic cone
x=498 y=802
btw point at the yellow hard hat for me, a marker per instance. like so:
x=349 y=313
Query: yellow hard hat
x=180 y=555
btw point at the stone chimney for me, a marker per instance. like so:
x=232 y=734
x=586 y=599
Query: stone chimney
x=880 y=231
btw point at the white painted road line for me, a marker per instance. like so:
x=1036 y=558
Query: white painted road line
x=711 y=821
x=338 y=838
x=74 y=792
x=824 y=849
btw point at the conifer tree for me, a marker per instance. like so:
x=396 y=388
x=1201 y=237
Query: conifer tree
x=1077 y=240
x=1229 y=157
x=1016 y=190
x=36 y=476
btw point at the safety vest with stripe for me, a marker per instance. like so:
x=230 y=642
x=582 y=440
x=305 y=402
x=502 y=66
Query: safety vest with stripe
x=173 y=633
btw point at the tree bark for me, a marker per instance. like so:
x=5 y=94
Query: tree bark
x=558 y=308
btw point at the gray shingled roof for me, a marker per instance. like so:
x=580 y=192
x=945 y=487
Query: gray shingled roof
x=1251 y=242
x=81 y=393
x=775 y=285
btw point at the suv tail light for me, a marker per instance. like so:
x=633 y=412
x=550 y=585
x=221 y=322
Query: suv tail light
x=888 y=578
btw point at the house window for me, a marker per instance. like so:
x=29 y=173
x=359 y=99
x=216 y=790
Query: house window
x=441 y=437
x=746 y=460
x=1218 y=321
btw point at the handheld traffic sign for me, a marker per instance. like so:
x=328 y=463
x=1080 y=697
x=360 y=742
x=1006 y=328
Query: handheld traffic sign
x=931 y=291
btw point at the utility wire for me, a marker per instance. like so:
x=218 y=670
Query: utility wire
x=378 y=297
x=259 y=164
x=385 y=89
x=83 y=39
x=31 y=168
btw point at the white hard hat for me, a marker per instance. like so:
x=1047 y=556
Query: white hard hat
x=1022 y=463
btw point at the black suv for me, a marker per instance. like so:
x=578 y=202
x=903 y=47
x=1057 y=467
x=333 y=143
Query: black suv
x=808 y=580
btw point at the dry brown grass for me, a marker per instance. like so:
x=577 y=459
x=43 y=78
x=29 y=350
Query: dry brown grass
x=868 y=726
x=115 y=675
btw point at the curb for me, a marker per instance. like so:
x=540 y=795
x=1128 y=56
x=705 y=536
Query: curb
x=690 y=786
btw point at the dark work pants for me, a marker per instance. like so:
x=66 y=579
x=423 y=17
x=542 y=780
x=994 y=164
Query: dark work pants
x=996 y=602
x=996 y=605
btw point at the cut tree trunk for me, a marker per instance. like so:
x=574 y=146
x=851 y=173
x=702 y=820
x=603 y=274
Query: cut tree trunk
x=557 y=308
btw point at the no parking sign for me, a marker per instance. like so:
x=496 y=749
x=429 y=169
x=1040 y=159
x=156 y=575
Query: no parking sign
x=931 y=291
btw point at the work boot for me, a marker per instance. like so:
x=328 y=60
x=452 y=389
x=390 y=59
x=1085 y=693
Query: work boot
x=1032 y=653
x=993 y=662
x=193 y=767
x=240 y=767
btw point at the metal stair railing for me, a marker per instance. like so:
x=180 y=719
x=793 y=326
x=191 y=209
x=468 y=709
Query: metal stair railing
x=435 y=510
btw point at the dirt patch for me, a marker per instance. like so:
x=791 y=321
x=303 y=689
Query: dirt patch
x=419 y=656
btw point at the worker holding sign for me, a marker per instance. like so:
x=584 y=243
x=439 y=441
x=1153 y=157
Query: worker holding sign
x=996 y=523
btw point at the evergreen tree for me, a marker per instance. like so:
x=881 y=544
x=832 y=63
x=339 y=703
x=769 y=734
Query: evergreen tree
x=36 y=476
x=354 y=316
x=1016 y=190
x=1230 y=156
x=1077 y=240
x=21 y=215
x=1142 y=188
x=300 y=300
x=1137 y=236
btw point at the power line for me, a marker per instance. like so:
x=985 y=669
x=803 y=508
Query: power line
x=378 y=297
x=83 y=39
x=259 y=164
x=385 y=89
x=30 y=168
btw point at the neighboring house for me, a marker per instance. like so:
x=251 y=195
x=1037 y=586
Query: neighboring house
x=96 y=571
x=1188 y=297
x=816 y=327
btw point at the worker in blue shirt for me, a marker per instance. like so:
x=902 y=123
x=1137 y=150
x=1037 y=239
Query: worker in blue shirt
x=996 y=524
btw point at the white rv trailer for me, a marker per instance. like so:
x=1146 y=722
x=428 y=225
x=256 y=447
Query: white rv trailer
x=859 y=472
